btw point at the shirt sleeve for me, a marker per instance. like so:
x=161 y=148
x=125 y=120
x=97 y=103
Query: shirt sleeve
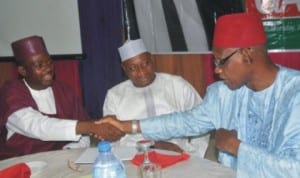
x=32 y=123
x=190 y=95
x=84 y=142
x=186 y=97
x=109 y=106
x=194 y=122
x=177 y=124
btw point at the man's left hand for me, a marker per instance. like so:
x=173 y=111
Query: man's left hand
x=226 y=140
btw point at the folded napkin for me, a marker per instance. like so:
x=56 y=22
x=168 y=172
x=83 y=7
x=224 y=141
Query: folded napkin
x=160 y=159
x=20 y=170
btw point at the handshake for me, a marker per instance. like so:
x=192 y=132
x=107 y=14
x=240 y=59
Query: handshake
x=108 y=128
x=111 y=129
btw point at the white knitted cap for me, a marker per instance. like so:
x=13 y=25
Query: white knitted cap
x=132 y=48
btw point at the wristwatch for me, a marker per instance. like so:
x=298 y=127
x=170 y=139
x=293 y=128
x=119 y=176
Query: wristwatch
x=134 y=126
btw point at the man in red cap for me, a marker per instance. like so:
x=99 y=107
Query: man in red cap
x=255 y=108
x=38 y=113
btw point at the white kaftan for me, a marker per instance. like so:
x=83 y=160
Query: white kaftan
x=267 y=123
x=166 y=94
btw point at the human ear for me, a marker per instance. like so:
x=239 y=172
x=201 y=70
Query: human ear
x=21 y=70
x=246 y=52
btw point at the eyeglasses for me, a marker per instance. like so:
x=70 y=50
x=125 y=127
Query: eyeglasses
x=221 y=62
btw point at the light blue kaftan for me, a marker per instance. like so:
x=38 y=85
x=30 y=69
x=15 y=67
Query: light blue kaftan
x=267 y=122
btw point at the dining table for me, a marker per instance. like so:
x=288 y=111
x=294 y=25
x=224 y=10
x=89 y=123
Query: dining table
x=61 y=164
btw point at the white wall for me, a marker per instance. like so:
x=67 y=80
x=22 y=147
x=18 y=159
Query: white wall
x=57 y=21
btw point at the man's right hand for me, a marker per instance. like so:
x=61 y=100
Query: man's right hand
x=103 y=131
x=124 y=126
x=108 y=132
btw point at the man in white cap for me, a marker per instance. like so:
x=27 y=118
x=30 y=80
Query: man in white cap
x=147 y=94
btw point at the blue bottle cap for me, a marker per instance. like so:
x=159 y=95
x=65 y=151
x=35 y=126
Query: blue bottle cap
x=104 y=146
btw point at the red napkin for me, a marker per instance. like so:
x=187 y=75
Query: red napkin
x=20 y=170
x=162 y=160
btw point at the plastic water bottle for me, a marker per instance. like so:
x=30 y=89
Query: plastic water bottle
x=107 y=165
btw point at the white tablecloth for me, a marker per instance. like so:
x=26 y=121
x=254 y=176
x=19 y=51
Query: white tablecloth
x=57 y=166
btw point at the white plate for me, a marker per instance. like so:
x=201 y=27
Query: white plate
x=36 y=166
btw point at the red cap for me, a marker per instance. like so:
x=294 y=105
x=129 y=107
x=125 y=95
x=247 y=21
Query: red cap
x=239 y=30
x=26 y=48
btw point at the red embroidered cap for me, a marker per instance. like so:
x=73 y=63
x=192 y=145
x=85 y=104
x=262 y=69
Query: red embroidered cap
x=25 y=48
x=239 y=30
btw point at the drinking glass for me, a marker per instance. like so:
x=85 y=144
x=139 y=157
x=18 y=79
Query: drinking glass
x=148 y=169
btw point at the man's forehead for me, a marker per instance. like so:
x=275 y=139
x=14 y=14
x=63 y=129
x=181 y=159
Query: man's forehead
x=218 y=50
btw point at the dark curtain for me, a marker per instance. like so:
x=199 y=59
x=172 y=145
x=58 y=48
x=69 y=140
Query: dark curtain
x=101 y=33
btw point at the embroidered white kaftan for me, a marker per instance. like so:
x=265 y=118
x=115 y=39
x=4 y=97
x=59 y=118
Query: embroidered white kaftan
x=166 y=94
x=267 y=122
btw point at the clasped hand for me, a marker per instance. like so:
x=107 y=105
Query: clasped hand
x=121 y=127
x=226 y=140
x=107 y=131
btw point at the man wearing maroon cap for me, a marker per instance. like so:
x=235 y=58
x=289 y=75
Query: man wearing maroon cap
x=255 y=108
x=38 y=113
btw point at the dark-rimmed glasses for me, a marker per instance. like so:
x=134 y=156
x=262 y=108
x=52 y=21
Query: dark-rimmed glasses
x=221 y=62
